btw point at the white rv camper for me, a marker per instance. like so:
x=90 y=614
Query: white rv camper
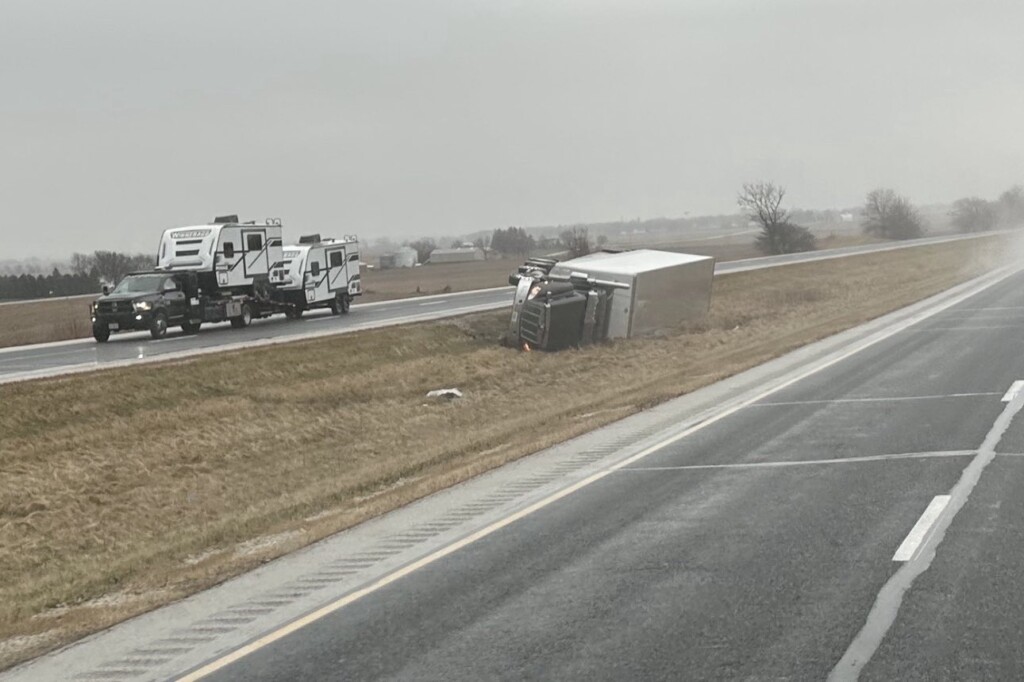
x=231 y=262
x=319 y=273
x=230 y=271
x=227 y=255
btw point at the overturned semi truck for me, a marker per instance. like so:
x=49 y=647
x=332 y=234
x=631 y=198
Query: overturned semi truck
x=607 y=295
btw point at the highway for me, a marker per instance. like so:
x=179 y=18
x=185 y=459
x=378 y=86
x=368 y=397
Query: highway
x=756 y=547
x=64 y=357
x=851 y=509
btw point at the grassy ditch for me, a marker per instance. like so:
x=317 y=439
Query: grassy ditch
x=126 y=489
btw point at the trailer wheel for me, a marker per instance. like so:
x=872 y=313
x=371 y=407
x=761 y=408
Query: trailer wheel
x=293 y=313
x=243 y=320
x=339 y=306
x=190 y=327
x=158 y=327
x=100 y=332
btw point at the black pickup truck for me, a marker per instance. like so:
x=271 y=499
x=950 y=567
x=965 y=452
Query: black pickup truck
x=150 y=301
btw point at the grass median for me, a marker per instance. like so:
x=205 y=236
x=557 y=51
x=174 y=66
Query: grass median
x=126 y=489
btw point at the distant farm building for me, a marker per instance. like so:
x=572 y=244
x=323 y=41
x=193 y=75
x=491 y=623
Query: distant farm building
x=460 y=255
x=404 y=257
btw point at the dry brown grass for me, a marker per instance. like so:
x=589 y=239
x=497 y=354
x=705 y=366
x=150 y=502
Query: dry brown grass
x=442 y=278
x=126 y=489
x=42 y=321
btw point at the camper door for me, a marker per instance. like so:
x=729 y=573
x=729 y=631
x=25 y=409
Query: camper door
x=316 y=277
x=337 y=272
x=255 y=260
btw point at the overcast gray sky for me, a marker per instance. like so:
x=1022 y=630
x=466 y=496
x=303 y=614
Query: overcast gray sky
x=119 y=118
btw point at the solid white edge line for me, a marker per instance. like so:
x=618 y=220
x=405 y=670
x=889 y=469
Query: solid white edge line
x=1014 y=390
x=747 y=264
x=975 y=328
x=891 y=399
x=284 y=631
x=51 y=298
x=920 y=531
x=806 y=462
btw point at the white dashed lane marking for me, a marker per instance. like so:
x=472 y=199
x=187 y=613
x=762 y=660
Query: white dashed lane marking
x=921 y=529
x=1014 y=390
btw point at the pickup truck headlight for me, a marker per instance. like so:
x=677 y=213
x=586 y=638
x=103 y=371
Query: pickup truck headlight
x=142 y=306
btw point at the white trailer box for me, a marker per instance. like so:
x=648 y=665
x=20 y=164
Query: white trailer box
x=320 y=273
x=665 y=290
x=234 y=255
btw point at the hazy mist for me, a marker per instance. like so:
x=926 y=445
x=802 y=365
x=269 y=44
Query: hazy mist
x=405 y=118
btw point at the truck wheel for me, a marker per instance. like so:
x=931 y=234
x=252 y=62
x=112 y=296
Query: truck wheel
x=339 y=306
x=100 y=332
x=293 y=313
x=158 y=327
x=190 y=327
x=243 y=320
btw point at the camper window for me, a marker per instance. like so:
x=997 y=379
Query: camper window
x=229 y=250
x=337 y=259
x=254 y=242
x=353 y=257
x=315 y=268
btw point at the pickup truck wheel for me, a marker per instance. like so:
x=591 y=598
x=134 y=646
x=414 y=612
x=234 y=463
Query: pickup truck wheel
x=100 y=332
x=190 y=327
x=243 y=320
x=339 y=306
x=158 y=327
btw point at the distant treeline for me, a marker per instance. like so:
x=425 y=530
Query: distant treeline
x=21 y=287
x=88 y=273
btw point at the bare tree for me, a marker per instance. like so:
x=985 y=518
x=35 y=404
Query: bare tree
x=82 y=264
x=974 y=215
x=577 y=241
x=1011 y=207
x=762 y=202
x=110 y=266
x=514 y=240
x=424 y=247
x=889 y=215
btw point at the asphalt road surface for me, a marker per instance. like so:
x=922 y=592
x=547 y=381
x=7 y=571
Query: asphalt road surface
x=768 y=544
x=53 y=359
